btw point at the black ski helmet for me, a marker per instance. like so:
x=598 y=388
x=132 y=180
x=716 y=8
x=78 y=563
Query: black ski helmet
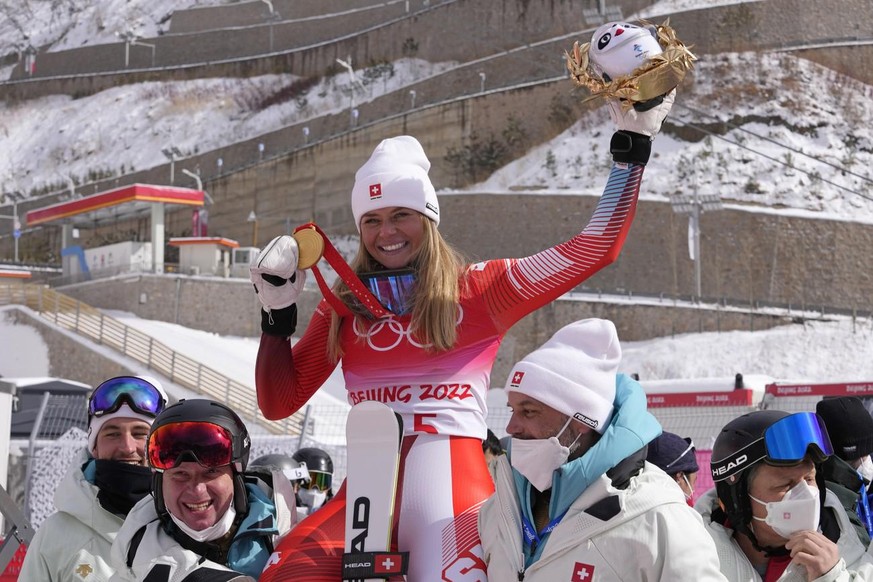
x=734 y=454
x=203 y=410
x=315 y=459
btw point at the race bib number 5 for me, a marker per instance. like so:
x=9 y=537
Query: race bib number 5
x=421 y=423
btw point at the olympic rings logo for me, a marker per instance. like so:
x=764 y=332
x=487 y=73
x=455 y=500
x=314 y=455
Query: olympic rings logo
x=394 y=331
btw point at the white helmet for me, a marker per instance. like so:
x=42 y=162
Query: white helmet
x=617 y=48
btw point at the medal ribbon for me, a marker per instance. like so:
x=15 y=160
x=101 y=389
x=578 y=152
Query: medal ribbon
x=344 y=271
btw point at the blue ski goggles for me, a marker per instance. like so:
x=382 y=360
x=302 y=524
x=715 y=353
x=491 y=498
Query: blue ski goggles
x=787 y=441
x=139 y=394
x=790 y=439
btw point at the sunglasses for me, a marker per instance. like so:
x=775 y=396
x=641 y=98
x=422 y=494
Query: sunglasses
x=205 y=443
x=317 y=480
x=137 y=393
x=785 y=442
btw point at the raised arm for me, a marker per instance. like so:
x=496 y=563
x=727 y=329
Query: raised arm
x=516 y=287
x=287 y=378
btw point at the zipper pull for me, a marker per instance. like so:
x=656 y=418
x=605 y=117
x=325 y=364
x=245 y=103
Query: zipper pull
x=520 y=575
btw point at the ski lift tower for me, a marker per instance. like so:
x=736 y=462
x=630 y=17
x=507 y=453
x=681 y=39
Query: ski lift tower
x=694 y=205
x=354 y=84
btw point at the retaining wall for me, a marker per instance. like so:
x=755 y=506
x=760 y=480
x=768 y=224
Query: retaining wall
x=228 y=307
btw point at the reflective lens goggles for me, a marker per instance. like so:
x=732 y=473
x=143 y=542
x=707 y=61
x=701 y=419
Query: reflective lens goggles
x=318 y=480
x=137 y=393
x=205 y=443
x=787 y=441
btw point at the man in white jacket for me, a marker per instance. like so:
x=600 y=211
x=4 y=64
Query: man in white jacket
x=100 y=488
x=207 y=519
x=768 y=514
x=575 y=498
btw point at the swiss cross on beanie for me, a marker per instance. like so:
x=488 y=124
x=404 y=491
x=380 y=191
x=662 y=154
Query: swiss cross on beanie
x=574 y=372
x=395 y=175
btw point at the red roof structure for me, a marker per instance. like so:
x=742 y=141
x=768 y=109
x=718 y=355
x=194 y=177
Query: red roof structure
x=203 y=240
x=14 y=274
x=124 y=203
x=118 y=204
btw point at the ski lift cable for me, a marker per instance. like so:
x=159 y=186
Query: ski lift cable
x=778 y=161
x=777 y=143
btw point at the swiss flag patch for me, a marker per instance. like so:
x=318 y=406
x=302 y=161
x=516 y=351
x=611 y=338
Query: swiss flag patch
x=387 y=564
x=582 y=573
x=516 y=379
x=375 y=191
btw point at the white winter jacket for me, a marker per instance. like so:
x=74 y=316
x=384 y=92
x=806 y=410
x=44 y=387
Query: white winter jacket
x=73 y=543
x=158 y=556
x=855 y=564
x=643 y=532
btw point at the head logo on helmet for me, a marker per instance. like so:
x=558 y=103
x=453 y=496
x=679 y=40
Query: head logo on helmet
x=763 y=436
x=727 y=468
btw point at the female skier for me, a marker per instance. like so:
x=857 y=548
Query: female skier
x=431 y=359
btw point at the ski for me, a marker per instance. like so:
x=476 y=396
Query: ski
x=373 y=435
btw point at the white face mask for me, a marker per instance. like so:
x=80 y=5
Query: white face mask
x=213 y=532
x=797 y=511
x=689 y=497
x=312 y=498
x=866 y=469
x=537 y=459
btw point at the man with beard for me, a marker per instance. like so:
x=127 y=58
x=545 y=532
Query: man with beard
x=575 y=498
x=101 y=486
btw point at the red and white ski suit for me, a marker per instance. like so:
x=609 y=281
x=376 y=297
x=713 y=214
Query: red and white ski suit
x=440 y=395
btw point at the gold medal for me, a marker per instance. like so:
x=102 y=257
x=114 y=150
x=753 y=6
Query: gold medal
x=310 y=247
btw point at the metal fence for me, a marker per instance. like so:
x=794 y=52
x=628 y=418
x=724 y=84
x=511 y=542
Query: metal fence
x=183 y=371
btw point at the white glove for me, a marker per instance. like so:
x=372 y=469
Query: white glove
x=274 y=273
x=646 y=122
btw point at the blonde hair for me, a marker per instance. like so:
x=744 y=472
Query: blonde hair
x=438 y=268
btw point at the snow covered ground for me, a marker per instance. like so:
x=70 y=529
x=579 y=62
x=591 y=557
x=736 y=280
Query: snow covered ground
x=797 y=146
x=814 y=352
x=796 y=142
x=67 y=24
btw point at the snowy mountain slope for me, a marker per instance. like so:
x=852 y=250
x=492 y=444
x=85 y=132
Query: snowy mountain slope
x=794 y=127
x=123 y=129
x=796 y=137
x=783 y=111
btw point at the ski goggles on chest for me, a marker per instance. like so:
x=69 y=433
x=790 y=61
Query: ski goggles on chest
x=318 y=480
x=787 y=441
x=139 y=394
x=394 y=289
x=205 y=443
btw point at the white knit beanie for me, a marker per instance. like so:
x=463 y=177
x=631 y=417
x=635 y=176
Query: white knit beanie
x=395 y=175
x=573 y=372
x=95 y=423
